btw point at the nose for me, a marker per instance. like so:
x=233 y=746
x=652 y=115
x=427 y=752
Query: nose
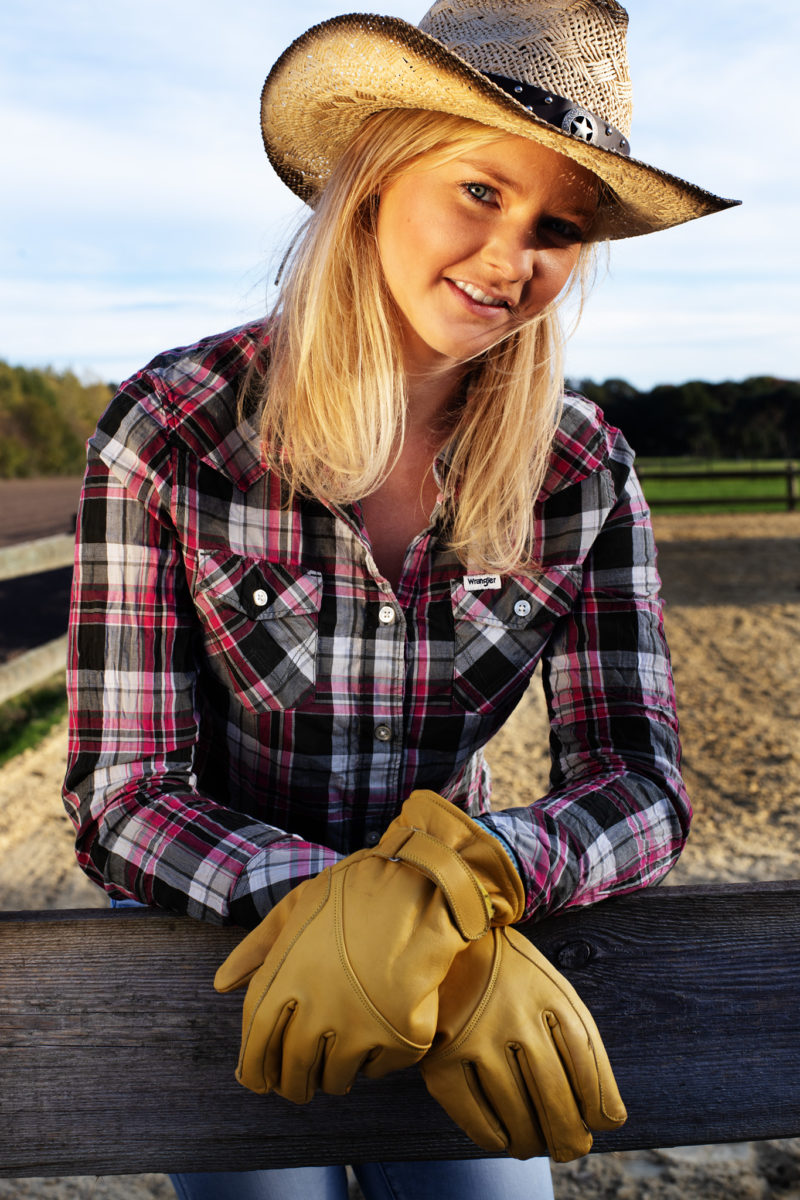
x=511 y=253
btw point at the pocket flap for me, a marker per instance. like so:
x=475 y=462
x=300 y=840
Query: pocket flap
x=263 y=591
x=521 y=602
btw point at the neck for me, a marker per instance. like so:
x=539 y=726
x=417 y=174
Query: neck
x=431 y=397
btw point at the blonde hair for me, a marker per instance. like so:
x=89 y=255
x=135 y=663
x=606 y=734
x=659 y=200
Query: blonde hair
x=333 y=398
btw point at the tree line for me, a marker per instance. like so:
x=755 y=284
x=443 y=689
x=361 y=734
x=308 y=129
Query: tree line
x=46 y=417
x=757 y=418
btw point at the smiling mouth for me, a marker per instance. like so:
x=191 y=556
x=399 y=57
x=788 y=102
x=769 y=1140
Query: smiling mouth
x=480 y=297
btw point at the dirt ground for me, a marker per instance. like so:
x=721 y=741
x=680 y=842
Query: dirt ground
x=36 y=508
x=732 y=592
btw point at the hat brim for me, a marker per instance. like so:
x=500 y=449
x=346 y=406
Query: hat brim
x=342 y=71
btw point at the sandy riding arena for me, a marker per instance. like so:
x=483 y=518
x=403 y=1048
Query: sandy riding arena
x=732 y=591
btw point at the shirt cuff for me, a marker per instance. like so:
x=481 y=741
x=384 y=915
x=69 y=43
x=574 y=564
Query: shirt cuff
x=499 y=838
x=272 y=873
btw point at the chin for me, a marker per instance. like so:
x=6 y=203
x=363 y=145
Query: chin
x=465 y=349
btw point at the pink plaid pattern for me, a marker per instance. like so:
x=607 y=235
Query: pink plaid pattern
x=250 y=700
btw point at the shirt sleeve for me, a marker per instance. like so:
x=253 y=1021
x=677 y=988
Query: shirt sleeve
x=144 y=828
x=617 y=814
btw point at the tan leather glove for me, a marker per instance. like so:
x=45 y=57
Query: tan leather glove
x=518 y=1062
x=343 y=975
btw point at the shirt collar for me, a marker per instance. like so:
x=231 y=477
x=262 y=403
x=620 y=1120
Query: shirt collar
x=579 y=448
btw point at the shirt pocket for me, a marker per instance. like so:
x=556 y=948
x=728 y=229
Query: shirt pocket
x=260 y=622
x=500 y=634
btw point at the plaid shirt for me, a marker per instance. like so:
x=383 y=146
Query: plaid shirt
x=250 y=699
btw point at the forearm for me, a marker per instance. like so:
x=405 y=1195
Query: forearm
x=606 y=837
x=145 y=826
x=163 y=843
x=617 y=814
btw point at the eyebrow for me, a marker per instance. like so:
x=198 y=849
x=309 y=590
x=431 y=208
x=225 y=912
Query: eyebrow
x=575 y=209
x=486 y=169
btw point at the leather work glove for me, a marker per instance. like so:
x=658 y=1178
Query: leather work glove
x=518 y=1062
x=343 y=974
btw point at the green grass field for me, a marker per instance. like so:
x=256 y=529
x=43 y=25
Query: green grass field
x=26 y=719
x=713 y=492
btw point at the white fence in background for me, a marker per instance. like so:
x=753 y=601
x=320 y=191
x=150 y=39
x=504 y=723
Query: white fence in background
x=31 y=668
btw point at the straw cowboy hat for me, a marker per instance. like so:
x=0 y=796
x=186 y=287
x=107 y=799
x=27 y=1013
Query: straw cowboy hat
x=554 y=71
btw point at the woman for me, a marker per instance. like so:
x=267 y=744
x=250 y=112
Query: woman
x=320 y=557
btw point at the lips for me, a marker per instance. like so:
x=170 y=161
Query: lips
x=480 y=297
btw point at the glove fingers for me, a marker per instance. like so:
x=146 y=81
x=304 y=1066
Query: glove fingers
x=392 y=1057
x=303 y=1065
x=304 y=1061
x=290 y=1061
x=296 y=1055
x=261 y=1052
x=332 y=1069
x=574 y=1036
x=584 y=1057
x=544 y=1087
x=504 y=1104
x=342 y=1065
x=339 y=1068
x=456 y=1086
x=518 y=1107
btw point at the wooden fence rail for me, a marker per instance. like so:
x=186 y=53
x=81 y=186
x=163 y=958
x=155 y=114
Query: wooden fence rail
x=41 y=554
x=33 y=667
x=116 y=1056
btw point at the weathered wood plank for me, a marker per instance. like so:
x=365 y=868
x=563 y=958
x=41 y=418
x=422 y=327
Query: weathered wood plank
x=116 y=1056
x=32 y=667
x=42 y=554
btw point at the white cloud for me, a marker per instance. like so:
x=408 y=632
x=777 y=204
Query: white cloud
x=143 y=212
x=111 y=332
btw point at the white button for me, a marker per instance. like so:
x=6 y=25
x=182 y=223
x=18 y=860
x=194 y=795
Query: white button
x=260 y=597
x=522 y=608
x=386 y=615
x=383 y=733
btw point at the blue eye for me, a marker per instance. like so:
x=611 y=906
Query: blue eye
x=482 y=192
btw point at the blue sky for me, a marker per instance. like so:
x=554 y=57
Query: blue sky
x=138 y=210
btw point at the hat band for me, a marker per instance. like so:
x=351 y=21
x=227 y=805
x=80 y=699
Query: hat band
x=567 y=116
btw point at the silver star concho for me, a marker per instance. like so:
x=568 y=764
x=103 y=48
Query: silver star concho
x=580 y=124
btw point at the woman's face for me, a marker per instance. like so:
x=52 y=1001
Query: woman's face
x=473 y=246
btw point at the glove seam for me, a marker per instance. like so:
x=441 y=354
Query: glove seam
x=355 y=982
x=477 y=1016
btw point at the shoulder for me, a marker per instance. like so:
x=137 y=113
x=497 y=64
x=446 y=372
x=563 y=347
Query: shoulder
x=585 y=444
x=590 y=480
x=186 y=399
x=191 y=391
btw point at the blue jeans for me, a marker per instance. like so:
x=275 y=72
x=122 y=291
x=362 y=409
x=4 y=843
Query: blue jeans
x=461 y=1179
x=456 y=1179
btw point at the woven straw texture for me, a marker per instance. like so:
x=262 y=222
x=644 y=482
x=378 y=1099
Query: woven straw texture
x=577 y=50
x=340 y=72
